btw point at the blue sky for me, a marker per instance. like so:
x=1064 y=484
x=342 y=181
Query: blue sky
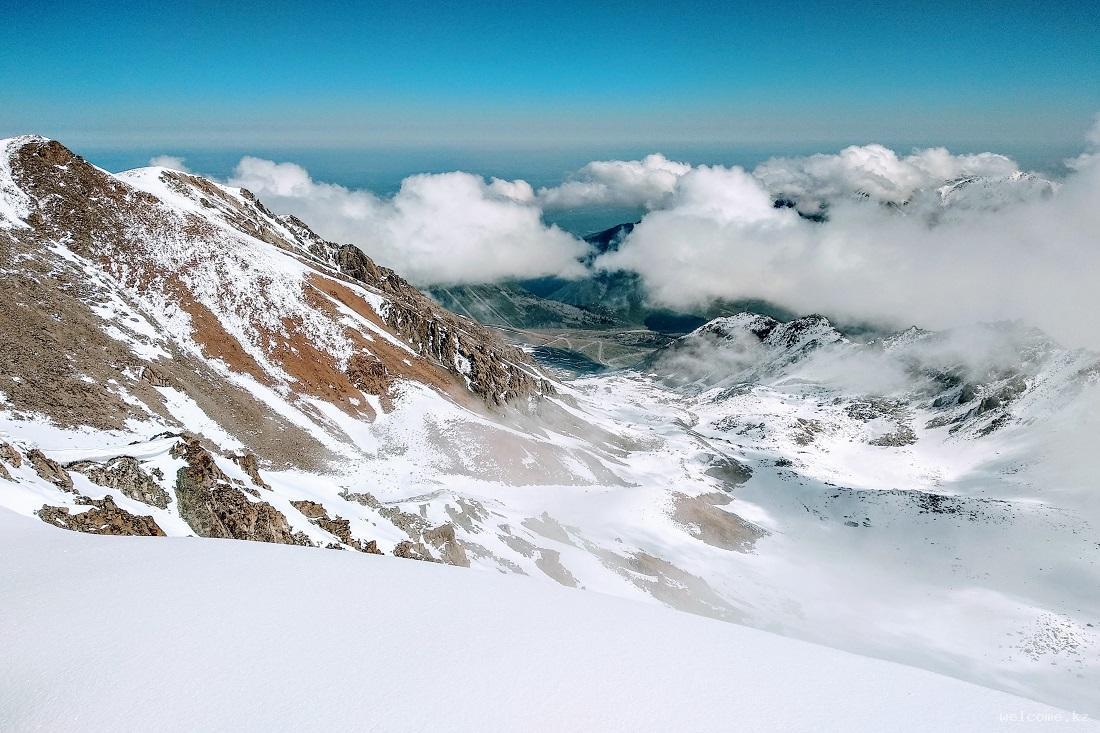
x=566 y=74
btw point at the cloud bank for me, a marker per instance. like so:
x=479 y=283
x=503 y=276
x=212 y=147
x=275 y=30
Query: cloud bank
x=929 y=237
x=647 y=182
x=450 y=228
x=718 y=236
x=874 y=171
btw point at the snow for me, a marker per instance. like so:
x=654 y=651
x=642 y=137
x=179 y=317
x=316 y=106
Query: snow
x=14 y=202
x=106 y=633
x=851 y=558
x=188 y=412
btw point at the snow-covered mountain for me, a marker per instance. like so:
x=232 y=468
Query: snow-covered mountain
x=176 y=359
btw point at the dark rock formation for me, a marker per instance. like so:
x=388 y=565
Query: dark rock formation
x=213 y=507
x=125 y=474
x=496 y=372
x=339 y=527
x=10 y=455
x=50 y=470
x=251 y=466
x=104 y=517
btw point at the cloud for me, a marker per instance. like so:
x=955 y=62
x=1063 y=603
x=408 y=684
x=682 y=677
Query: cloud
x=871 y=171
x=647 y=182
x=169 y=161
x=1092 y=148
x=874 y=171
x=450 y=228
x=967 y=238
x=717 y=237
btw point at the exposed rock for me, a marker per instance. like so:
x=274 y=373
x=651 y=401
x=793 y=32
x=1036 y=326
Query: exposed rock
x=483 y=553
x=807 y=430
x=450 y=549
x=419 y=531
x=125 y=474
x=866 y=410
x=668 y=583
x=548 y=527
x=55 y=336
x=9 y=454
x=469 y=513
x=519 y=544
x=213 y=507
x=413 y=551
x=704 y=521
x=729 y=470
x=339 y=527
x=310 y=509
x=494 y=371
x=50 y=470
x=251 y=466
x=549 y=562
x=104 y=517
x=154 y=377
x=364 y=498
x=411 y=524
x=903 y=436
x=368 y=374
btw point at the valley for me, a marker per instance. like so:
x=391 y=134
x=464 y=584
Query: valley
x=180 y=361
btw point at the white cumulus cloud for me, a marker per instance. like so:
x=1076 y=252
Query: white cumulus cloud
x=717 y=237
x=647 y=182
x=873 y=170
x=449 y=228
x=169 y=161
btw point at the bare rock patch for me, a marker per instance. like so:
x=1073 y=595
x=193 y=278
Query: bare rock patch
x=125 y=474
x=104 y=517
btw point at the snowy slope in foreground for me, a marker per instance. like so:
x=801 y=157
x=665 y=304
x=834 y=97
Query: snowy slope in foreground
x=185 y=634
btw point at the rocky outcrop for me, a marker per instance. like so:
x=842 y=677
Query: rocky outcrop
x=10 y=455
x=496 y=372
x=450 y=549
x=901 y=437
x=422 y=536
x=338 y=527
x=411 y=524
x=413 y=551
x=154 y=377
x=442 y=538
x=251 y=466
x=104 y=517
x=213 y=507
x=368 y=374
x=125 y=474
x=728 y=470
x=50 y=470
